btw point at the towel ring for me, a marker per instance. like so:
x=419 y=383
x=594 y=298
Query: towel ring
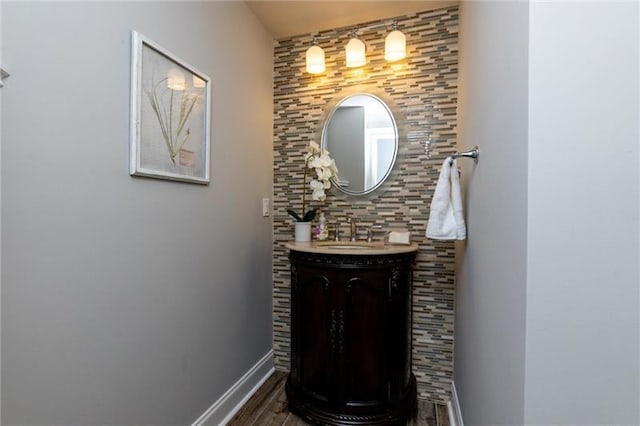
x=474 y=153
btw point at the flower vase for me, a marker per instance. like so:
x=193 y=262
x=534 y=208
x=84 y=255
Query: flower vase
x=303 y=232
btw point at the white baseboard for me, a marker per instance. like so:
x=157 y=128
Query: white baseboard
x=233 y=399
x=453 y=408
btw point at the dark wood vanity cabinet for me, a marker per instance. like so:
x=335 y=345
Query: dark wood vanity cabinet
x=351 y=339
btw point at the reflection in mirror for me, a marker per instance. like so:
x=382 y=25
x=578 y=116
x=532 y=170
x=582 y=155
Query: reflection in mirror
x=362 y=136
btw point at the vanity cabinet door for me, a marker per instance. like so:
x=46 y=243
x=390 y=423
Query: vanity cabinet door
x=398 y=330
x=364 y=314
x=314 y=328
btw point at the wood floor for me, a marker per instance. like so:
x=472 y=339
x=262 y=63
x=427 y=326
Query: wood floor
x=268 y=407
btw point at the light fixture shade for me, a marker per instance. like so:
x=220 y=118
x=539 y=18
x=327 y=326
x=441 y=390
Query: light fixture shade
x=315 y=60
x=175 y=79
x=355 y=51
x=395 y=46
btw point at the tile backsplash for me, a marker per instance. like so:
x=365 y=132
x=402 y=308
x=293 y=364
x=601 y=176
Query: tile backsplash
x=422 y=91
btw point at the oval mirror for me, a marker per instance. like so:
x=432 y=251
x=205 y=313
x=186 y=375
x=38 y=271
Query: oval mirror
x=362 y=137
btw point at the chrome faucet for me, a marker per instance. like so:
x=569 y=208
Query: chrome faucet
x=354 y=229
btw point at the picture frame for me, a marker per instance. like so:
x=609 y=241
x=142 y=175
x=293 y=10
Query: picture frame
x=170 y=115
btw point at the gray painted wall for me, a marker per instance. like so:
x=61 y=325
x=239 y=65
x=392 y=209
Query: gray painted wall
x=491 y=274
x=129 y=300
x=553 y=211
x=346 y=134
x=583 y=281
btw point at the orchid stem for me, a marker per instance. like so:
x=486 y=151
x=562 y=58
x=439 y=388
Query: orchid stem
x=304 y=187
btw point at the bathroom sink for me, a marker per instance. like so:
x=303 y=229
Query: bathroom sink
x=348 y=246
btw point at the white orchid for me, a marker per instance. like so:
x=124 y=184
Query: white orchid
x=322 y=161
x=324 y=173
x=333 y=167
x=318 y=188
x=325 y=168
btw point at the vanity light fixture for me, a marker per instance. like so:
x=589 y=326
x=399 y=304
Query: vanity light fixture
x=395 y=48
x=315 y=58
x=395 y=45
x=355 y=51
x=175 y=79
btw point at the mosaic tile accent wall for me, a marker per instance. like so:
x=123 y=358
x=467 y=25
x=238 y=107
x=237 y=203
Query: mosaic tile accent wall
x=422 y=92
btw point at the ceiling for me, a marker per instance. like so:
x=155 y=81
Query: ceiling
x=289 y=18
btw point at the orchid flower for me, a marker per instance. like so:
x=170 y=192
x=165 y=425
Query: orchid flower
x=325 y=168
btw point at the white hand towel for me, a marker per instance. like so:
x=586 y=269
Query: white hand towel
x=446 y=221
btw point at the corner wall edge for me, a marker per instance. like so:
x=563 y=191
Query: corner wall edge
x=453 y=408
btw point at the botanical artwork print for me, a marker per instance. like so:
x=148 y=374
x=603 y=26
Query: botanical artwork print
x=172 y=121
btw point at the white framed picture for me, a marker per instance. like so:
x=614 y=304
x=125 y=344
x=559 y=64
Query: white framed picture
x=170 y=104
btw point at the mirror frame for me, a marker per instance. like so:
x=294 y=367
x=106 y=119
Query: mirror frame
x=330 y=110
